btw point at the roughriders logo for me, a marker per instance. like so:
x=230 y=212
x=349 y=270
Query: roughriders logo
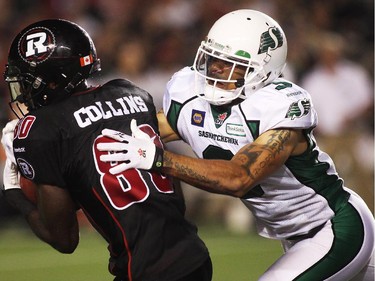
x=271 y=39
x=36 y=45
x=298 y=109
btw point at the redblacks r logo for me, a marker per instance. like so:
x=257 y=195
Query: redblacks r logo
x=37 y=44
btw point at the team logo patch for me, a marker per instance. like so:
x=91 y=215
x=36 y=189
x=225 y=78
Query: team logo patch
x=26 y=168
x=36 y=44
x=298 y=109
x=197 y=118
x=142 y=153
x=235 y=130
x=221 y=118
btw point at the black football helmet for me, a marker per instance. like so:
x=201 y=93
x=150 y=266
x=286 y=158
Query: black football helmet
x=47 y=61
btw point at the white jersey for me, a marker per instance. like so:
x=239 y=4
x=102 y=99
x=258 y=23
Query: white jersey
x=304 y=193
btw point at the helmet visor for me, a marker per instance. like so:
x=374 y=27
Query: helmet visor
x=15 y=87
x=12 y=77
x=23 y=87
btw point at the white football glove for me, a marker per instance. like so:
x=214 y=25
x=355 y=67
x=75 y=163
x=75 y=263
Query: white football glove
x=11 y=177
x=137 y=151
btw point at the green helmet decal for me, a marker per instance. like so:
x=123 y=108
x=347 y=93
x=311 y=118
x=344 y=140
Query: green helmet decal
x=271 y=39
x=243 y=53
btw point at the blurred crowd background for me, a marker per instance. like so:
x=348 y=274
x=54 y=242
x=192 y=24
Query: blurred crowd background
x=330 y=53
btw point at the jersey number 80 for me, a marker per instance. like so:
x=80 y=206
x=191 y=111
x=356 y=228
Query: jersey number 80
x=131 y=186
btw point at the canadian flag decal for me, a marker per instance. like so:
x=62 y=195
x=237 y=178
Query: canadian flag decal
x=86 y=60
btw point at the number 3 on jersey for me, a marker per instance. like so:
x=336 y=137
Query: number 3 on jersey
x=129 y=187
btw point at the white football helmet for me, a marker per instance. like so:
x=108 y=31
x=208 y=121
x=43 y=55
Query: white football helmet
x=243 y=38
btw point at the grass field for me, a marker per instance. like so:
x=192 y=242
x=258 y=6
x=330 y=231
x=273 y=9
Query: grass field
x=24 y=258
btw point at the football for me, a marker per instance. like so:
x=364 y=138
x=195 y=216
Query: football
x=29 y=189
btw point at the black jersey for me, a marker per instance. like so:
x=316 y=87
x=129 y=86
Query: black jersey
x=138 y=212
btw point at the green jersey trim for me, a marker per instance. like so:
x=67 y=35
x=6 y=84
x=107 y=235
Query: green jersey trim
x=312 y=172
x=174 y=113
x=349 y=234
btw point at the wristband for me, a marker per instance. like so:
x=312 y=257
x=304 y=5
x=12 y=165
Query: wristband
x=158 y=160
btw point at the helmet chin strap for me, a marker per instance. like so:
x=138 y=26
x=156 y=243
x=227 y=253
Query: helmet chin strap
x=49 y=94
x=78 y=78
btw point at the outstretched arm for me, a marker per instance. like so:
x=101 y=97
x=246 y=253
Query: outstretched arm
x=247 y=168
x=166 y=132
x=235 y=177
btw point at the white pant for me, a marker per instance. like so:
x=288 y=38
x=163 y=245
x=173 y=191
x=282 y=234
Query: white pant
x=301 y=255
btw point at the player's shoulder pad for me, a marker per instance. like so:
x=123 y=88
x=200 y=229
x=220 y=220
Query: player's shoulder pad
x=119 y=83
x=184 y=74
x=281 y=103
x=129 y=86
x=279 y=93
x=181 y=85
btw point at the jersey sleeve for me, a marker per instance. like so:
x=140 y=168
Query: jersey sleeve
x=38 y=153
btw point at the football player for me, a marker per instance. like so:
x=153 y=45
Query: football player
x=139 y=213
x=254 y=132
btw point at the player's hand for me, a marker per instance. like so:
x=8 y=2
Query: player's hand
x=136 y=151
x=10 y=174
